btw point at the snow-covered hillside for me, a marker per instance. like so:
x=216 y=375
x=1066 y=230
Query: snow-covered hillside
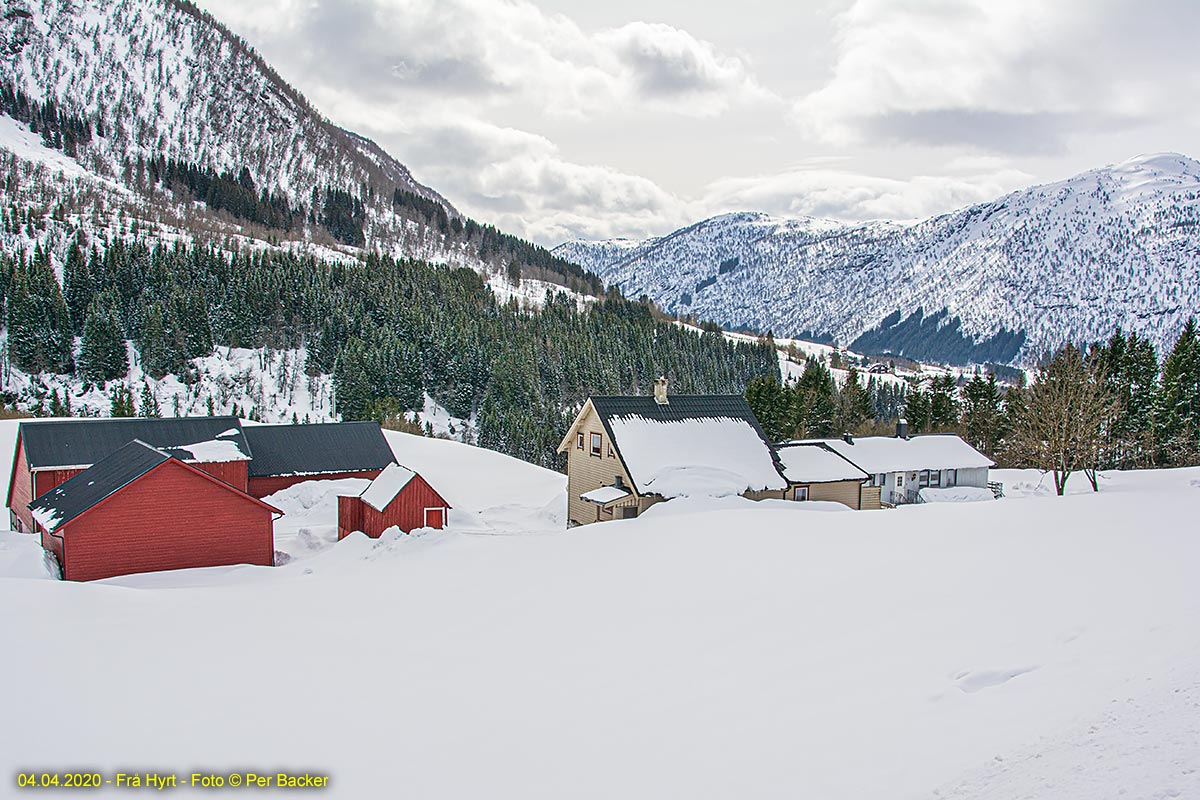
x=1068 y=261
x=1028 y=647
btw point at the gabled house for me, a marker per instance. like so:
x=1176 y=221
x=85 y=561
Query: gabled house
x=901 y=466
x=624 y=454
x=285 y=455
x=398 y=497
x=815 y=471
x=142 y=509
x=51 y=451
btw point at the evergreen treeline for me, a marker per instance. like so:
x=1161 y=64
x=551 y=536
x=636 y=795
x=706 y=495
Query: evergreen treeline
x=390 y=331
x=937 y=337
x=235 y=194
x=495 y=245
x=1111 y=406
x=59 y=130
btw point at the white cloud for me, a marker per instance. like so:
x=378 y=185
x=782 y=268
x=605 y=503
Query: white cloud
x=823 y=190
x=1017 y=76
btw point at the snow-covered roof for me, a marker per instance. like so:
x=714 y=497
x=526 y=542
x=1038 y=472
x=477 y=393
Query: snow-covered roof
x=383 y=490
x=706 y=456
x=815 y=463
x=878 y=454
x=604 y=495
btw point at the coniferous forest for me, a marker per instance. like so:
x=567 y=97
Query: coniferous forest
x=389 y=331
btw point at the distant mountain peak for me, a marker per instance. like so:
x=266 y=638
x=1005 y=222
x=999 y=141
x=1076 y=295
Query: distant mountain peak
x=1066 y=261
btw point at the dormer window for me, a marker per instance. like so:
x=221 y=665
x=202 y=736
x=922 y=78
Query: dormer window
x=597 y=445
x=579 y=442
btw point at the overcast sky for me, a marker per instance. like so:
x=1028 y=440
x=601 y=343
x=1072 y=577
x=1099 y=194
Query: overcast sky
x=561 y=118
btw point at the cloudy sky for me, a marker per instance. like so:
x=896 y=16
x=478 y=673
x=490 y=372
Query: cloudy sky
x=559 y=118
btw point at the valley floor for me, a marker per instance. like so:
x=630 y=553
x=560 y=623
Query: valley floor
x=1033 y=647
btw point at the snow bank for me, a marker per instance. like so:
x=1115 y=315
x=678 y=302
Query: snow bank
x=956 y=494
x=707 y=456
x=309 y=522
x=22 y=556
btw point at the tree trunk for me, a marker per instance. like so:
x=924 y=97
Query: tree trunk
x=1092 y=479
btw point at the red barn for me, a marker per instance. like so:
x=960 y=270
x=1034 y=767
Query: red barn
x=285 y=455
x=143 y=510
x=51 y=451
x=398 y=497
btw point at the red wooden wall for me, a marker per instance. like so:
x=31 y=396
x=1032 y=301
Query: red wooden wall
x=261 y=487
x=406 y=511
x=170 y=518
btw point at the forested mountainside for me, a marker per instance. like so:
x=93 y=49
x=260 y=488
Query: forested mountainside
x=1006 y=281
x=390 y=332
x=182 y=233
x=163 y=108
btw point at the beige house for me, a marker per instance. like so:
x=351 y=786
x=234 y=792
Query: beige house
x=815 y=471
x=624 y=454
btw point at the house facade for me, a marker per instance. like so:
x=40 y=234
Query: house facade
x=901 y=466
x=815 y=471
x=624 y=454
x=144 y=510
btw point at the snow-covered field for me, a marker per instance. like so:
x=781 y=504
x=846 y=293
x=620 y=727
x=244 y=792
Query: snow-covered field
x=1033 y=647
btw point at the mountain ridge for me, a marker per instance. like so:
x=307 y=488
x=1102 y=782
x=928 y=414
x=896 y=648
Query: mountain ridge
x=1069 y=260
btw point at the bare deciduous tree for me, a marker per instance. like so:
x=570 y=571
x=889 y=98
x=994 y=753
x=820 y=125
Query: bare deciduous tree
x=1060 y=429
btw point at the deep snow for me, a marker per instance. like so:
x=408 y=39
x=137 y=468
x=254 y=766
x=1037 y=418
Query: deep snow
x=1032 y=647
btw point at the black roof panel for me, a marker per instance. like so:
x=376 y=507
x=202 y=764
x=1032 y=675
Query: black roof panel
x=83 y=442
x=317 y=449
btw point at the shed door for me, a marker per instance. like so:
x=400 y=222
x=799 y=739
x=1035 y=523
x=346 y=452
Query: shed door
x=435 y=517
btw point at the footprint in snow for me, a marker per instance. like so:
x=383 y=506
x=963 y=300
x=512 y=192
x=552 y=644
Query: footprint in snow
x=971 y=682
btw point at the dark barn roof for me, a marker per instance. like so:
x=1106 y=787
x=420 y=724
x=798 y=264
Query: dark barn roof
x=76 y=495
x=83 y=442
x=317 y=449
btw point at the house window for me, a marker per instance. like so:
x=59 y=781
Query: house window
x=923 y=480
x=611 y=453
x=597 y=444
x=899 y=481
x=935 y=478
x=881 y=479
x=951 y=477
x=579 y=442
x=801 y=493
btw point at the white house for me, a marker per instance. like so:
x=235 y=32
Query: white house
x=901 y=466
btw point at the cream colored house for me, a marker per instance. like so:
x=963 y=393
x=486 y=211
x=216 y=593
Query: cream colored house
x=624 y=454
x=815 y=471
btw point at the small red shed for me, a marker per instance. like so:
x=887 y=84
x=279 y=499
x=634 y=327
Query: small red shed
x=398 y=497
x=143 y=510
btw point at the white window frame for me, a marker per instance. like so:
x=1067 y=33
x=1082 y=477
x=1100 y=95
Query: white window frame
x=800 y=493
x=445 y=515
x=922 y=479
x=951 y=478
x=935 y=478
x=596 y=445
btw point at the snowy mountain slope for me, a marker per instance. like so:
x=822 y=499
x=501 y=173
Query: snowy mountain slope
x=164 y=79
x=1071 y=260
x=1028 y=647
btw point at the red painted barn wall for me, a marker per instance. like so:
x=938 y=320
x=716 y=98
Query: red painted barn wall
x=170 y=518
x=235 y=473
x=20 y=488
x=407 y=511
x=349 y=516
x=261 y=487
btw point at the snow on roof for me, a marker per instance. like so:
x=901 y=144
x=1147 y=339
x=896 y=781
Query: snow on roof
x=211 y=451
x=386 y=486
x=878 y=454
x=808 y=463
x=604 y=495
x=706 y=456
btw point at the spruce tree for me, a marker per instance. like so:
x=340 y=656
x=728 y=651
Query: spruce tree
x=149 y=403
x=102 y=355
x=1177 y=417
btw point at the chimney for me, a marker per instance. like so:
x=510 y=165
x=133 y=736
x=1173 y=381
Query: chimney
x=902 y=429
x=847 y=438
x=660 y=391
